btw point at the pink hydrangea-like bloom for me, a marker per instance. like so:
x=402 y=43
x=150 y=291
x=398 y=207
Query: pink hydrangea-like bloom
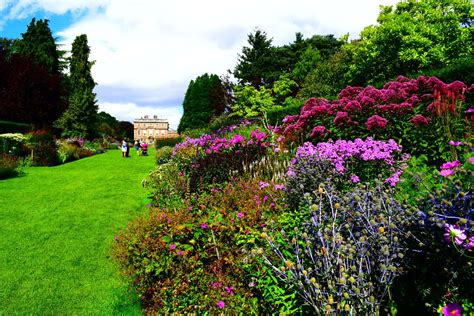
x=452 y=309
x=220 y=304
x=341 y=118
x=420 y=120
x=376 y=121
x=450 y=164
x=454 y=233
x=318 y=131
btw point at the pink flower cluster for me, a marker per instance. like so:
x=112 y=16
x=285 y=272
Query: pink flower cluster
x=373 y=107
x=342 y=152
x=448 y=168
x=209 y=144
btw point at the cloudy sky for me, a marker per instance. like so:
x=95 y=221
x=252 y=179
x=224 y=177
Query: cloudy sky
x=147 y=51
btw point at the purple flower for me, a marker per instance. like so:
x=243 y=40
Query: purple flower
x=220 y=304
x=240 y=215
x=453 y=233
x=450 y=164
x=452 y=309
x=172 y=246
x=279 y=187
x=471 y=160
x=454 y=143
x=116 y=238
x=263 y=184
x=180 y=174
x=204 y=225
x=229 y=289
x=148 y=205
x=470 y=243
x=420 y=120
x=355 y=178
x=470 y=110
x=180 y=253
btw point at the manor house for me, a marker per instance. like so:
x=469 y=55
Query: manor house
x=147 y=129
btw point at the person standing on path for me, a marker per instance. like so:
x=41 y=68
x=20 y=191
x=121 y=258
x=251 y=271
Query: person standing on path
x=137 y=147
x=124 y=148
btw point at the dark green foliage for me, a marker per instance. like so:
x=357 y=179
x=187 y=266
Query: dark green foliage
x=256 y=65
x=276 y=115
x=81 y=116
x=38 y=44
x=14 y=127
x=439 y=269
x=205 y=98
x=167 y=142
x=28 y=92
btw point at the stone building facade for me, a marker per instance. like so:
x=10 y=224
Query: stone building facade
x=147 y=129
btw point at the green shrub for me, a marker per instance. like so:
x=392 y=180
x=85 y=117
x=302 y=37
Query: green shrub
x=8 y=166
x=276 y=115
x=42 y=148
x=167 y=142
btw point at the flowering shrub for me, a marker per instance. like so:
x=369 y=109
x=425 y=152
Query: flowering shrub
x=42 y=148
x=8 y=166
x=443 y=267
x=348 y=252
x=191 y=259
x=422 y=114
x=163 y=154
x=348 y=161
x=70 y=151
x=12 y=144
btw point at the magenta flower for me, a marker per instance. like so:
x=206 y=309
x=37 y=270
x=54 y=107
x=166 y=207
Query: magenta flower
x=180 y=253
x=220 y=304
x=470 y=243
x=453 y=233
x=420 y=120
x=454 y=143
x=263 y=184
x=355 y=178
x=452 y=309
x=376 y=122
x=180 y=174
x=116 y=238
x=471 y=160
x=446 y=172
x=450 y=164
x=172 y=246
x=240 y=215
x=318 y=131
x=204 y=225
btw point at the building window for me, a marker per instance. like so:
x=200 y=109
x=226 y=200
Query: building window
x=138 y=132
x=150 y=132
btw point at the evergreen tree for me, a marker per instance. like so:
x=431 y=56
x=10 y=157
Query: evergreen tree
x=81 y=116
x=255 y=65
x=205 y=98
x=38 y=44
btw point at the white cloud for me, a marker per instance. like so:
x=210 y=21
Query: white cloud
x=153 y=48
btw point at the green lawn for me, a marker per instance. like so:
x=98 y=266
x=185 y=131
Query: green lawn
x=57 y=226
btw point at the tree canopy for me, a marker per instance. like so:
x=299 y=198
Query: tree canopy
x=205 y=98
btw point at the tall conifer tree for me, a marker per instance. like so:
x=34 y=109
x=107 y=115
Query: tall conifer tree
x=81 y=116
